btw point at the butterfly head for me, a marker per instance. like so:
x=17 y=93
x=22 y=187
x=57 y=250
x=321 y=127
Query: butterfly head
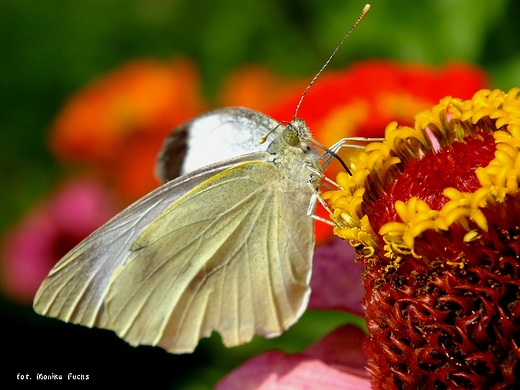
x=295 y=135
x=296 y=131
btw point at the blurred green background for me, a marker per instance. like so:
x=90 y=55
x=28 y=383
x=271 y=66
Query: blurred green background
x=50 y=49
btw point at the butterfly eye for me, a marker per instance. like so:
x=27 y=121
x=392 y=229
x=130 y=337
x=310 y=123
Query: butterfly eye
x=290 y=137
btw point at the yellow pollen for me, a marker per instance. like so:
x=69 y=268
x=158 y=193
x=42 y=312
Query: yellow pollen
x=472 y=235
x=459 y=264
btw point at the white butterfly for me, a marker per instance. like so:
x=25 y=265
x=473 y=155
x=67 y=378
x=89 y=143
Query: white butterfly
x=227 y=247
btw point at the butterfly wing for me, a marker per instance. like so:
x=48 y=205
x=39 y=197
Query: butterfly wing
x=233 y=255
x=215 y=136
x=75 y=289
x=220 y=258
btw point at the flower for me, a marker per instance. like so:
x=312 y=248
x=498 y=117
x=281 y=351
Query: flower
x=433 y=211
x=32 y=248
x=336 y=278
x=335 y=362
x=116 y=126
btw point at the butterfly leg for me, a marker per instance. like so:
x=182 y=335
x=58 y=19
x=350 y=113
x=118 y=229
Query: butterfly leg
x=321 y=175
x=345 y=143
x=316 y=197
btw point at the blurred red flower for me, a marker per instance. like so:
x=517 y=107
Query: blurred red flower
x=363 y=98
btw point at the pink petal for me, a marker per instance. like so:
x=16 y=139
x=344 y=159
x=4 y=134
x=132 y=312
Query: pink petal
x=336 y=278
x=27 y=256
x=342 y=348
x=84 y=200
x=276 y=371
x=29 y=251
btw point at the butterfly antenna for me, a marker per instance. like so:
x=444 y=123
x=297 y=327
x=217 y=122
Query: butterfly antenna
x=366 y=8
x=264 y=138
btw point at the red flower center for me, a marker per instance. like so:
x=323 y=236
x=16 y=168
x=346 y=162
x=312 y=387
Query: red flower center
x=426 y=178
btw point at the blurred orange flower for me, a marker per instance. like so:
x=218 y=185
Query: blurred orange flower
x=116 y=125
x=258 y=87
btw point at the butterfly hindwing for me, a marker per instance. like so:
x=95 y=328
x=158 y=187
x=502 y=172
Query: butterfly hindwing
x=214 y=136
x=234 y=267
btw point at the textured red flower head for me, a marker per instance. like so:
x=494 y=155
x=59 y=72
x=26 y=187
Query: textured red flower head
x=434 y=212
